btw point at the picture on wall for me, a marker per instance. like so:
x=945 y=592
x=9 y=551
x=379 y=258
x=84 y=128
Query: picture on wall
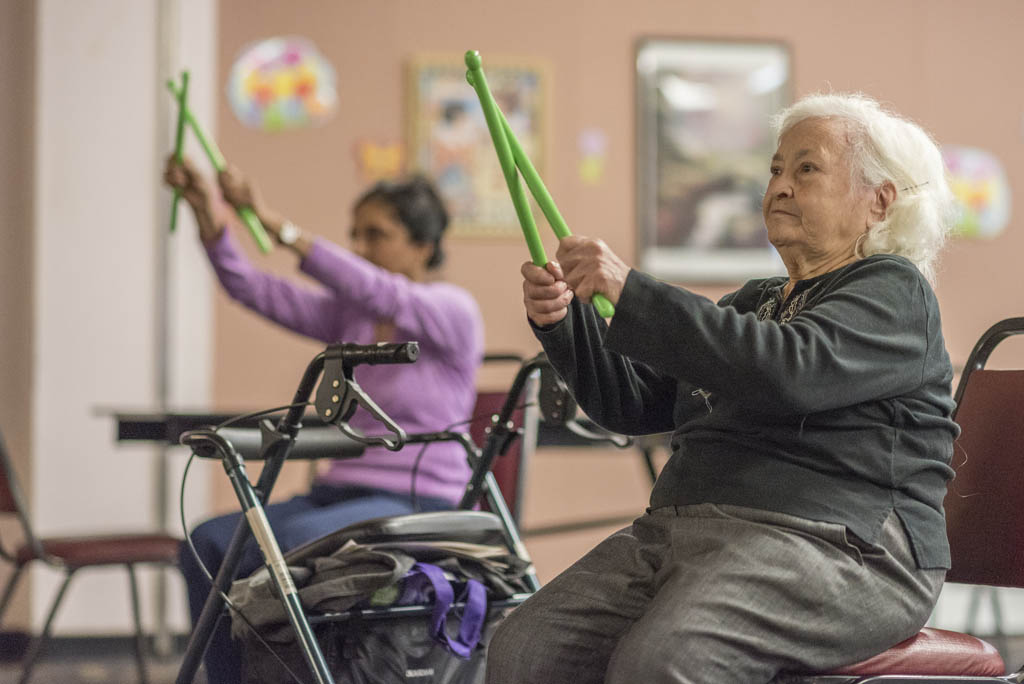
x=704 y=145
x=449 y=141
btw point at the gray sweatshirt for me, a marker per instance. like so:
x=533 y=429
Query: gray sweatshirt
x=833 y=405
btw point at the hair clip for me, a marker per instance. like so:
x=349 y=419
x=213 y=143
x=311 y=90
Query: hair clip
x=914 y=187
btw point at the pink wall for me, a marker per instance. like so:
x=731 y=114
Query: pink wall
x=952 y=66
x=17 y=47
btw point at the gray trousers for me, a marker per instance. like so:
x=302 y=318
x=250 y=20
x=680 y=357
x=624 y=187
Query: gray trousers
x=716 y=594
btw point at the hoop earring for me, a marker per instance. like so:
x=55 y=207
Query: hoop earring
x=857 y=246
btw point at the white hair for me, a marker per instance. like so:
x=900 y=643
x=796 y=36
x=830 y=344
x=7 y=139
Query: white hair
x=887 y=147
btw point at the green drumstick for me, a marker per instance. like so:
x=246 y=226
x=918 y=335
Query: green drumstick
x=512 y=156
x=247 y=215
x=492 y=114
x=547 y=205
x=179 y=138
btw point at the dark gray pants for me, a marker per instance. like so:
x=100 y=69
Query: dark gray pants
x=711 y=594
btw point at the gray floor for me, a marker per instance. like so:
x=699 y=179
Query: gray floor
x=91 y=661
x=117 y=666
x=93 y=670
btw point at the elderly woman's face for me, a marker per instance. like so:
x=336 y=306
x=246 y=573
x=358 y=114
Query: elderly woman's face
x=813 y=209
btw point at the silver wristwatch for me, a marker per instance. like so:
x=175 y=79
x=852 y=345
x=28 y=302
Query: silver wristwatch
x=289 y=233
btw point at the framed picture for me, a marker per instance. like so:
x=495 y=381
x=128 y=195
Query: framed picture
x=449 y=141
x=704 y=145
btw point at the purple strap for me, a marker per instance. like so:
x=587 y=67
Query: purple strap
x=473 y=616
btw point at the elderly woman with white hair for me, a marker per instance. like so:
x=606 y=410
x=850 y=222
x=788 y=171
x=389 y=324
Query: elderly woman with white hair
x=798 y=525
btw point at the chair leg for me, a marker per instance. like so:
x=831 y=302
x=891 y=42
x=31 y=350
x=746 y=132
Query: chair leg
x=140 y=645
x=973 y=603
x=999 y=636
x=37 y=648
x=9 y=591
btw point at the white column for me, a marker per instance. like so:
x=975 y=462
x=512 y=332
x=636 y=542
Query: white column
x=99 y=214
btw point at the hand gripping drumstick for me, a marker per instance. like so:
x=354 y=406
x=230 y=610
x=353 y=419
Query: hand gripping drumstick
x=513 y=159
x=179 y=138
x=247 y=215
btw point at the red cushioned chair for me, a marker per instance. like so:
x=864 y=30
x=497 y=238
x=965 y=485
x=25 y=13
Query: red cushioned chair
x=510 y=468
x=71 y=554
x=984 y=524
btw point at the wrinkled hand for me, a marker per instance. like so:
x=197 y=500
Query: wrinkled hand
x=591 y=267
x=238 y=191
x=545 y=293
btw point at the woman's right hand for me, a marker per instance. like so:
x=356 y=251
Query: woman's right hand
x=545 y=293
x=183 y=176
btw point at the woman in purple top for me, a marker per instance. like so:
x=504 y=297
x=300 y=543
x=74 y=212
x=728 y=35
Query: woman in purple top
x=377 y=291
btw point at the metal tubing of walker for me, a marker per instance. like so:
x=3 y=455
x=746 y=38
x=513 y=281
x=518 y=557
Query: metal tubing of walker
x=260 y=526
x=213 y=607
x=496 y=502
x=500 y=429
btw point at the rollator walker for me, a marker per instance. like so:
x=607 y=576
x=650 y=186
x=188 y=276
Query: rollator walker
x=336 y=399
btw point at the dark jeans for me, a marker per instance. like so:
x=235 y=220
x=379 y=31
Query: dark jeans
x=295 y=522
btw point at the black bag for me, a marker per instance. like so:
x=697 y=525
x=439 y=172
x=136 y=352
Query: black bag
x=398 y=610
x=377 y=650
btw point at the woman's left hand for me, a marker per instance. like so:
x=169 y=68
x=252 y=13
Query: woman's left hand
x=591 y=267
x=238 y=191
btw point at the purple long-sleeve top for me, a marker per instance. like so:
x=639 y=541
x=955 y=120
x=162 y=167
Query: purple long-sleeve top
x=434 y=393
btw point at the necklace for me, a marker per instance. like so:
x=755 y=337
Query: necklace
x=795 y=305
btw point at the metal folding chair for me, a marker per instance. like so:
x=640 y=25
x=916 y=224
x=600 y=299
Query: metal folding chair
x=69 y=554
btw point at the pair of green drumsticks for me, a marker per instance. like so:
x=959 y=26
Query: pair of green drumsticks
x=511 y=156
x=247 y=215
x=513 y=161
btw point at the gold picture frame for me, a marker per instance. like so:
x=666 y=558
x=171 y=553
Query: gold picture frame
x=448 y=138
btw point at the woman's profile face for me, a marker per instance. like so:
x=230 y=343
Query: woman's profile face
x=382 y=239
x=813 y=208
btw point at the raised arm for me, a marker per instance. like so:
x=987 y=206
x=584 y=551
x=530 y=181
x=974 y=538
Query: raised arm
x=616 y=392
x=305 y=310
x=437 y=314
x=866 y=337
x=311 y=311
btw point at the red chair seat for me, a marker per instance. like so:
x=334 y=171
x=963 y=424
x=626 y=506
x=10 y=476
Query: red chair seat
x=933 y=652
x=107 y=549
